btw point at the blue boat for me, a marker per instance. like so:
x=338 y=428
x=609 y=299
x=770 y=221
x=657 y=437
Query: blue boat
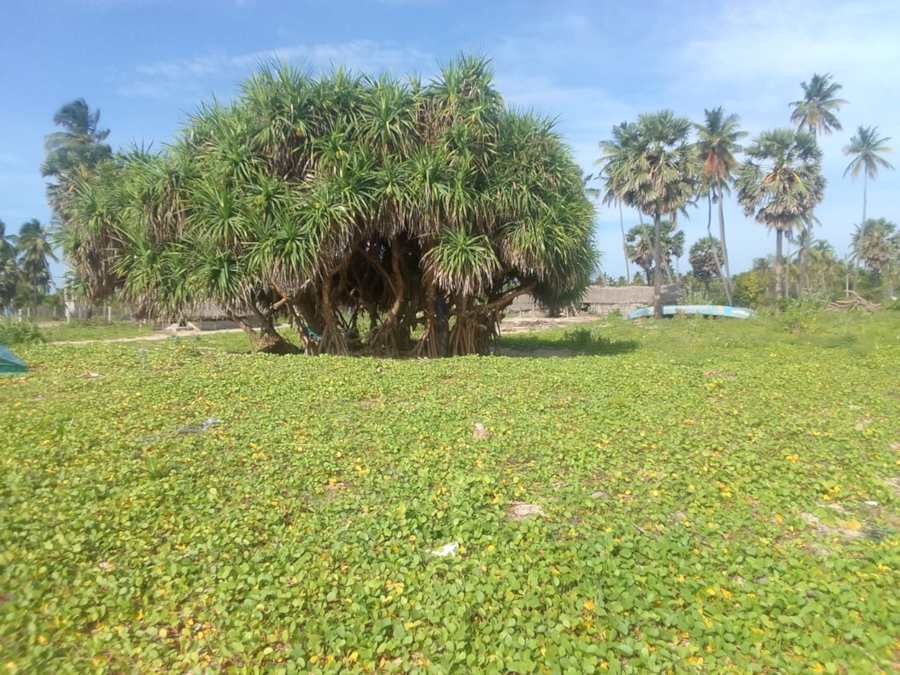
x=694 y=310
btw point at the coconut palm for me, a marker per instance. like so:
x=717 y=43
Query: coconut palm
x=9 y=271
x=817 y=111
x=866 y=148
x=718 y=140
x=79 y=144
x=780 y=184
x=375 y=215
x=7 y=246
x=653 y=167
x=34 y=252
x=612 y=151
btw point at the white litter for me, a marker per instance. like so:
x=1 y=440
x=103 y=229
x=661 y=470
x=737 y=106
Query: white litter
x=446 y=550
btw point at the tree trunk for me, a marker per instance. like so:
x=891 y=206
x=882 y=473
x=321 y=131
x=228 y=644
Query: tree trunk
x=865 y=196
x=265 y=339
x=624 y=244
x=715 y=253
x=726 y=269
x=435 y=341
x=657 y=260
x=803 y=282
x=779 y=264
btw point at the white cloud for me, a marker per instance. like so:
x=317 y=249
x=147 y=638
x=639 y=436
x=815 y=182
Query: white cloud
x=197 y=74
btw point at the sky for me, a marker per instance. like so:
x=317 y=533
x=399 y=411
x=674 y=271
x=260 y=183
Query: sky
x=147 y=64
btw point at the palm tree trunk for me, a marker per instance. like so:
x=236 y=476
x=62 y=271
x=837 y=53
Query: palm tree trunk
x=715 y=253
x=803 y=281
x=657 y=262
x=779 y=264
x=726 y=270
x=865 y=196
x=624 y=244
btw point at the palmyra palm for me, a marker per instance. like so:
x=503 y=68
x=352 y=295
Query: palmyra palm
x=652 y=166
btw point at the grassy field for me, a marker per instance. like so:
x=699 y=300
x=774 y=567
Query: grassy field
x=93 y=330
x=703 y=495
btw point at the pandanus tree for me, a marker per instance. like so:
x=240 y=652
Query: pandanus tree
x=780 y=184
x=375 y=215
x=866 y=148
x=718 y=142
x=652 y=166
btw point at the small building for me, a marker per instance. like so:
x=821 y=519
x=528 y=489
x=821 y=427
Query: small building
x=602 y=300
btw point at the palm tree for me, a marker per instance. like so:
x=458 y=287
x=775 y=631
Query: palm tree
x=817 y=110
x=615 y=149
x=866 y=148
x=421 y=211
x=80 y=144
x=704 y=258
x=718 y=140
x=876 y=244
x=9 y=271
x=655 y=171
x=780 y=184
x=34 y=252
x=7 y=245
x=641 y=248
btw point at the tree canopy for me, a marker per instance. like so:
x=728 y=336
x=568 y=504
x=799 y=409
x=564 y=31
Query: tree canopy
x=876 y=244
x=376 y=215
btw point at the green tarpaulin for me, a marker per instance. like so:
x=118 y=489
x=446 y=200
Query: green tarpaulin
x=10 y=363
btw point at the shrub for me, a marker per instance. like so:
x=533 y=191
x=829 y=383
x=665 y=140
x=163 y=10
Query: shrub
x=19 y=332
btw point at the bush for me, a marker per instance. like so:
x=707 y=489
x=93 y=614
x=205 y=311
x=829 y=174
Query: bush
x=19 y=332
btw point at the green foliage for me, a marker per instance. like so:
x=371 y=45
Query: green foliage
x=702 y=258
x=750 y=289
x=94 y=329
x=706 y=494
x=876 y=245
x=817 y=111
x=639 y=242
x=14 y=332
x=421 y=210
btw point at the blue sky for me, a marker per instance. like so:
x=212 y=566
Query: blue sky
x=148 y=63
